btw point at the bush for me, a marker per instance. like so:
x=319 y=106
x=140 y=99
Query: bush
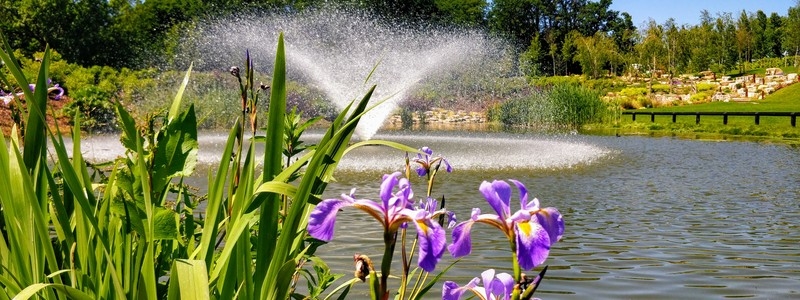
x=702 y=96
x=661 y=88
x=95 y=107
x=701 y=87
x=633 y=92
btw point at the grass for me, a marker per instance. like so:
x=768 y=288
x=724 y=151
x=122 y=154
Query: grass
x=776 y=129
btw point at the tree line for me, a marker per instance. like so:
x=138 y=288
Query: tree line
x=558 y=37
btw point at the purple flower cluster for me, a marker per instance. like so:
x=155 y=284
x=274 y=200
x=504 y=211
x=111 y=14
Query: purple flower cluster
x=8 y=97
x=393 y=211
x=531 y=230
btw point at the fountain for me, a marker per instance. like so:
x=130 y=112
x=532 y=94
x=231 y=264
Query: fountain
x=343 y=53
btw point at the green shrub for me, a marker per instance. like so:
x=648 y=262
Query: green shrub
x=633 y=92
x=701 y=87
x=661 y=88
x=701 y=96
x=94 y=105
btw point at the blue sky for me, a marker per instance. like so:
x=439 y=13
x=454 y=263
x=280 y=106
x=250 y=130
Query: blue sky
x=688 y=11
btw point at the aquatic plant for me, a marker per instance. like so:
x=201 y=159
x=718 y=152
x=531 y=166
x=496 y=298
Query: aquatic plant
x=531 y=230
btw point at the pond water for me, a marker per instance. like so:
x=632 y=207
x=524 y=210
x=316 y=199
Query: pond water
x=645 y=217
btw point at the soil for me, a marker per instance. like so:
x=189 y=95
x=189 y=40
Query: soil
x=59 y=122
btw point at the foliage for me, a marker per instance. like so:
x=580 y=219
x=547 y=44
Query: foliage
x=660 y=88
x=702 y=86
x=576 y=106
x=558 y=106
x=94 y=106
x=119 y=237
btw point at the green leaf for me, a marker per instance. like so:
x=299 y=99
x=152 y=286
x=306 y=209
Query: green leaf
x=176 y=150
x=176 y=103
x=188 y=280
x=165 y=224
x=33 y=289
x=391 y=144
x=128 y=125
x=273 y=163
x=36 y=126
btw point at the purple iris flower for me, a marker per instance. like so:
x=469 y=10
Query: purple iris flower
x=60 y=90
x=532 y=229
x=495 y=287
x=394 y=210
x=427 y=161
x=56 y=88
x=431 y=206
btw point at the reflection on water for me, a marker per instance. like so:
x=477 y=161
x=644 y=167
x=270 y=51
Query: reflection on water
x=645 y=217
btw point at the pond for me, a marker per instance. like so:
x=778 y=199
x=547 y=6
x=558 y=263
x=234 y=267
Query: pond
x=645 y=217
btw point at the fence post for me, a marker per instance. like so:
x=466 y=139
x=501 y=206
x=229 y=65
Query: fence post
x=697 y=118
x=673 y=117
x=652 y=117
x=758 y=118
x=794 y=119
x=725 y=118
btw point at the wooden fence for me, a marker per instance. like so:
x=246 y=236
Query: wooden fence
x=725 y=115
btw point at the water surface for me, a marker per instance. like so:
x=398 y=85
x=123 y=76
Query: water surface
x=645 y=217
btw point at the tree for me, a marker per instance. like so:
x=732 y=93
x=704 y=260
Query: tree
x=462 y=12
x=773 y=36
x=701 y=39
x=724 y=39
x=529 y=60
x=758 y=26
x=595 y=52
x=791 y=34
x=652 y=48
x=744 y=39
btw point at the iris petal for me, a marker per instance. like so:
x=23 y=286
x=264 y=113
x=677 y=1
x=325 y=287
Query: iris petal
x=387 y=185
x=533 y=244
x=487 y=277
x=523 y=195
x=432 y=240
x=451 y=291
x=322 y=220
x=504 y=282
x=498 y=195
x=552 y=222
x=447 y=166
x=462 y=242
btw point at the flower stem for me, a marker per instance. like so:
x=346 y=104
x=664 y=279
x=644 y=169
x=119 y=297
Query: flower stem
x=406 y=264
x=517 y=271
x=389 y=239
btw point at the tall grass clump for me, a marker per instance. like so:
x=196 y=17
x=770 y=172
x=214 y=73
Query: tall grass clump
x=561 y=106
x=575 y=105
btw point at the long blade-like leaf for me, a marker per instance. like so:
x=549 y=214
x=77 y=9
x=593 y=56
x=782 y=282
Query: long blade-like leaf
x=273 y=158
x=188 y=280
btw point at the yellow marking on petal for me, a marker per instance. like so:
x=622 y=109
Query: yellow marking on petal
x=524 y=228
x=423 y=227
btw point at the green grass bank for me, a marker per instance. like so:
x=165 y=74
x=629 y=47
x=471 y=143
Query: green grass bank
x=770 y=128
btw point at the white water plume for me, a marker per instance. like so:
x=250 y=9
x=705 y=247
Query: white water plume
x=343 y=53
